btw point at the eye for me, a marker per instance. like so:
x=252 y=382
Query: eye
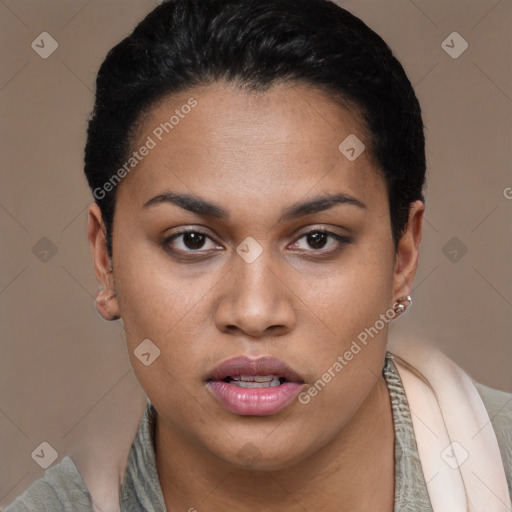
x=319 y=239
x=191 y=240
x=196 y=241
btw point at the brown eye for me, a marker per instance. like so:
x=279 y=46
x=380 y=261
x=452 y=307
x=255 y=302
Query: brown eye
x=189 y=241
x=319 y=239
x=193 y=240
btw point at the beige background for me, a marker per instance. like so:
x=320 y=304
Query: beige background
x=64 y=370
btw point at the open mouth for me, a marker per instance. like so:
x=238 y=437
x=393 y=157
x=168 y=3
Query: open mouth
x=261 y=372
x=256 y=387
x=255 y=381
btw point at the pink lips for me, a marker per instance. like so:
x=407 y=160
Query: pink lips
x=254 y=401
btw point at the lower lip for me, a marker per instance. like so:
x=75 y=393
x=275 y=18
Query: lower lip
x=254 y=401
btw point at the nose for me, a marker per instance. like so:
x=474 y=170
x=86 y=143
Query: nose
x=256 y=300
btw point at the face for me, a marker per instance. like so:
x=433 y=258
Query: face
x=245 y=231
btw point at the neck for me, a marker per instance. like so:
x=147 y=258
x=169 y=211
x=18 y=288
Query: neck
x=352 y=472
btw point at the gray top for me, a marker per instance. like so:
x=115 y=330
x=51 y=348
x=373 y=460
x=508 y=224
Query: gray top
x=61 y=488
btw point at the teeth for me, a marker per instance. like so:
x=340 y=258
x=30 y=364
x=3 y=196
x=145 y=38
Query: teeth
x=262 y=378
x=242 y=383
x=255 y=378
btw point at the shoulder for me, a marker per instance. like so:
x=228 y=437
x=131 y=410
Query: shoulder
x=61 y=488
x=499 y=407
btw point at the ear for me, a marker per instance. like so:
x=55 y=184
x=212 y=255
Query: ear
x=96 y=234
x=106 y=303
x=406 y=261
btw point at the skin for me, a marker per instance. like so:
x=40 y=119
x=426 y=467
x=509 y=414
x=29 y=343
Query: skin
x=255 y=154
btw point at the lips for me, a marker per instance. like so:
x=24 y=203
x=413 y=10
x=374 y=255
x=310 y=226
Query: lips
x=256 y=387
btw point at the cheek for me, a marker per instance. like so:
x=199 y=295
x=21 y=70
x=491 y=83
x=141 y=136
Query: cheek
x=354 y=311
x=161 y=301
x=354 y=294
x=158 y=305
x=155 y=294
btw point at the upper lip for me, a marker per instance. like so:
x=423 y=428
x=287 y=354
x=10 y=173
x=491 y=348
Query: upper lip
x=242 y=365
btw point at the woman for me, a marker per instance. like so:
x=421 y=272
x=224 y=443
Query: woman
x=257 y=169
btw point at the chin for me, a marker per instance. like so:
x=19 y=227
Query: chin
x=265 y=457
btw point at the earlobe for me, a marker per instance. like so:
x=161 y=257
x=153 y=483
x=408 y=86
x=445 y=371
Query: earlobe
x=105 y=309
x=408 y=250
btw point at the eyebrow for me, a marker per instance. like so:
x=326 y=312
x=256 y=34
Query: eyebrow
x=206 y=208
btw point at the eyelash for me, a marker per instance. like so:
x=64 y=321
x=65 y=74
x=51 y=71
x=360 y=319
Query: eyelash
x=341 y=239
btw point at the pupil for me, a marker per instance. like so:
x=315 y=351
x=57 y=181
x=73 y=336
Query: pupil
x=317 y=239
x=193 y=240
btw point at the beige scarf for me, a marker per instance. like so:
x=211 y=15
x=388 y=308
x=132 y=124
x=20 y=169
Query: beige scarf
x=458 y=449
x=457 y=445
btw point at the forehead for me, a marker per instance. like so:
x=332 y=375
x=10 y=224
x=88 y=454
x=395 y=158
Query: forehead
x=263 y=146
